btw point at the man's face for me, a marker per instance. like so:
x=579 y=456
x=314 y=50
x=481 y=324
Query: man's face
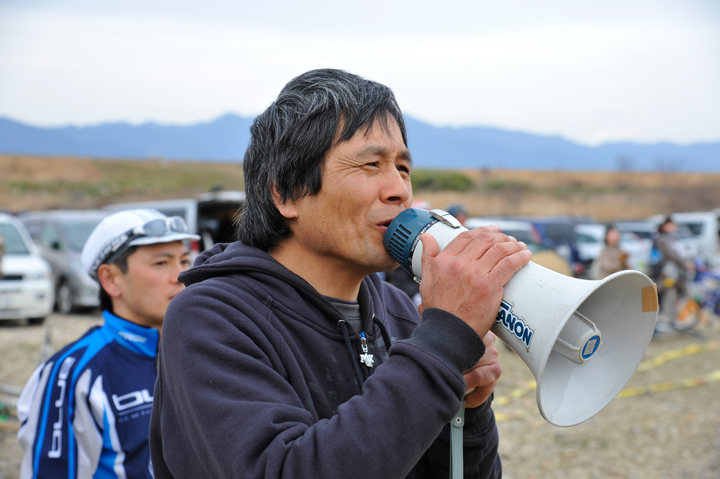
x=365 y=184
x=150 y=282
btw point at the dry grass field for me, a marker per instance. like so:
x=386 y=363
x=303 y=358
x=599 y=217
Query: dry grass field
x=33 y=182
x=605 y=196
x=29 y=182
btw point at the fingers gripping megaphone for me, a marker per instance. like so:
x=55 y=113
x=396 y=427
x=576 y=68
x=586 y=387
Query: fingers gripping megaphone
x=581 y=339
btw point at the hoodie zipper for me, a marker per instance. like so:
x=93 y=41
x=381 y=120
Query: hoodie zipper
x=356 y=364
x=365 y=358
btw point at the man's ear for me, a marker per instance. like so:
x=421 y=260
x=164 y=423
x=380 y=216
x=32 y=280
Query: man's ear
x=287 y=208
x=110 y=278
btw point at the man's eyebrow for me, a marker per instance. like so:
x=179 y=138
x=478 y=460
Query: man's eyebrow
x=372 y=150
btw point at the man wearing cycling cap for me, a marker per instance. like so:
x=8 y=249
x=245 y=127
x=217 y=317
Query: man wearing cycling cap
x=85 y=412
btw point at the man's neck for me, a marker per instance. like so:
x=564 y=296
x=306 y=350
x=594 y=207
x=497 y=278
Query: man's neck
x=329 y=278
x=121 y=311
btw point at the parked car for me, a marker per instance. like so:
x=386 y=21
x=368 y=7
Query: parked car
x=60 y=235
x=646 y=230
x=591 y=240
x=521 y=230
x=211 y=215
x=686 y=243
x=26 y=284
x=526 y=232
x=558 y=233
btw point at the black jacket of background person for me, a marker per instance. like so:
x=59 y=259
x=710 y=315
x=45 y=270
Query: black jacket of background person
x=260 y=377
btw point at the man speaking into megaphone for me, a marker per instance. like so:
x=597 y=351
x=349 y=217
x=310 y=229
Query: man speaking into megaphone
x=287 y=356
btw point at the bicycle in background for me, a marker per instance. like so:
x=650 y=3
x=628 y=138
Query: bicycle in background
x=701 y=304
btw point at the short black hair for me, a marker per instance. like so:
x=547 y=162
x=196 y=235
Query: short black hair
x=289 y=141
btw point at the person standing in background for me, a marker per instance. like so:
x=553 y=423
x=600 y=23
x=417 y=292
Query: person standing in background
x=85 y=412
x=611 y=258
x=670 y=271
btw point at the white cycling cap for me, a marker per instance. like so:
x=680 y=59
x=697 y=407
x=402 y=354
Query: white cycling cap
x=124 y=229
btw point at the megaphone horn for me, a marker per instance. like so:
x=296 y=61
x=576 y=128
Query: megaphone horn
x=581 y=339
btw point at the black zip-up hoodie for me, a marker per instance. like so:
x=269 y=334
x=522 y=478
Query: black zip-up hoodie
x=260 y=377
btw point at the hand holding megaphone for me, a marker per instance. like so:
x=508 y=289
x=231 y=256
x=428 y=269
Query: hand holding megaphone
x=467 y=277
x=482 y=378
x=581 y=339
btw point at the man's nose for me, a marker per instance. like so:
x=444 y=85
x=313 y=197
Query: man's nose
x=396 y=188
x=179 y=268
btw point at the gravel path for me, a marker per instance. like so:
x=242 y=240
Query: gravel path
x=673 y=432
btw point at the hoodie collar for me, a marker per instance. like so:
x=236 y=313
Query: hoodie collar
x=227 y=259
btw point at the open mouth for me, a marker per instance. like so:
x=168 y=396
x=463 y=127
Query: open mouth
x=384 y=225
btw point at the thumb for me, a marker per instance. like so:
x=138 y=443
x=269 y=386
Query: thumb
x=431 y=248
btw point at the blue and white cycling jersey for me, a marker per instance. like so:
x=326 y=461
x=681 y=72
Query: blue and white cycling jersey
x=86 y=411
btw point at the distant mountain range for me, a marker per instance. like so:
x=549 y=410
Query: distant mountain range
x=225 y=139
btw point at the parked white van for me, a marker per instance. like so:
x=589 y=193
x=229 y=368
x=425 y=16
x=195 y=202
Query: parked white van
x=705 y=228
x=211 y=215
x=26 y=282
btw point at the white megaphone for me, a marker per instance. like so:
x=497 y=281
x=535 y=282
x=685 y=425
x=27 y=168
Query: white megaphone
x=581 y=339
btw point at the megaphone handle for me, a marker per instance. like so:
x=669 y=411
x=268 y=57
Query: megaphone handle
x=456 y=443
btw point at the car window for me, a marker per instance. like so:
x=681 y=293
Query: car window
x=583 y=238
x=561 y=232
x=14 y=243
x=78 y=231
x=33 y=228
x=683 y=232
x=629 y=237
x=49 y=235
x=695 y=228
x=644 y=234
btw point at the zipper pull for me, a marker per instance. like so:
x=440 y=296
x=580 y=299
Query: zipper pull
x=365 y=358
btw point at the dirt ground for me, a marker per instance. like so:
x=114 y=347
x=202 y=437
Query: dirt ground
x=672 y=432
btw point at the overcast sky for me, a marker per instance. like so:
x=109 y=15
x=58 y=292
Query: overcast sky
x=589 y=71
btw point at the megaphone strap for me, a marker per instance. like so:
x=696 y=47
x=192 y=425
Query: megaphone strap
x=456 y=443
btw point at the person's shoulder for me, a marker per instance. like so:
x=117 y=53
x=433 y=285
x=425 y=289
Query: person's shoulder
x=229 y=290
x=78 y=346
x=216 y=303
x=68 y=364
